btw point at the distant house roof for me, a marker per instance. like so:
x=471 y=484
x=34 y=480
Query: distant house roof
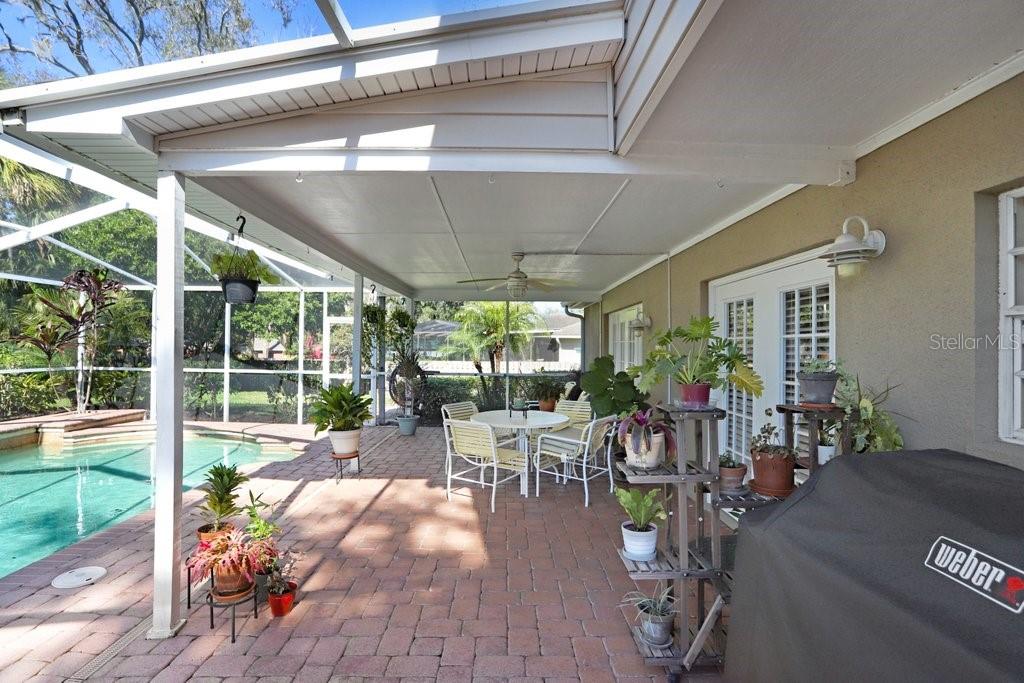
x=556 y=324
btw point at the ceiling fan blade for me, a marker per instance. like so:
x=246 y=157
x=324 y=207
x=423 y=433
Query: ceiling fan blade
x=480 y=279
x=494 y=287
x=538 y=284
x=551 y=282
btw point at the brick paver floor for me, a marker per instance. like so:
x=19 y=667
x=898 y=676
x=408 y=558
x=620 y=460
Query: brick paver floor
x=396 y=583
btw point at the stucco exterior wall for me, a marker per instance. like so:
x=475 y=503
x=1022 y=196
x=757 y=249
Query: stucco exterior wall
x=931 y=192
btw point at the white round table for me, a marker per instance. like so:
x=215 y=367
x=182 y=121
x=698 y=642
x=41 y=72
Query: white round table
x=534 y=421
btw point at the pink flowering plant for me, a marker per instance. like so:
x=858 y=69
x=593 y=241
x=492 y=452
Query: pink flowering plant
x=232 y=552
x=638 y=429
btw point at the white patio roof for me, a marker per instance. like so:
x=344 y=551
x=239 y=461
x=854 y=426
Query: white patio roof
x=432 y=149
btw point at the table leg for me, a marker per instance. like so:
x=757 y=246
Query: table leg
x=524 y=478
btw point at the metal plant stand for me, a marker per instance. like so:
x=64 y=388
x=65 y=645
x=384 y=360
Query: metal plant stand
x=339 y=463
x=699 y=643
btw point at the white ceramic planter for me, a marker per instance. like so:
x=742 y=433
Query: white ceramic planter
x=826 y=453
x=649 y=459
x=345 y=442
x=639 y=545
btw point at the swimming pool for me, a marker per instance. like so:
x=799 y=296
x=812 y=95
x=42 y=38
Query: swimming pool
x=49 y=501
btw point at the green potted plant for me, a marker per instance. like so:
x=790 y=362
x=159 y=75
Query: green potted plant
x=340 y=412
x=698 y=360
x=260 y=529
x=656 y=614
x=231 y=560
x=827 y=442
x=611 y=393
x=282 y=586
x=639 y=532
x=546 y=390
x=240 y=275
x=872 y=429
x=732 y=473
x=818 y=378
x=645 y=436
x=408 y=369
x=220 y=504
x=773 y=462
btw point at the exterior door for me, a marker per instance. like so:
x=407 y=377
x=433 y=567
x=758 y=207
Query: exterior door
x=626 y=347
x=777 y=314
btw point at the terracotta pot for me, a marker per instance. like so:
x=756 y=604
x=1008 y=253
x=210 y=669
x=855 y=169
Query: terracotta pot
x=229 y=584
x=206 y=532
x=548 y=404
x=773 y=473
x=732 y=478
x=695 y=394
x=281 y=605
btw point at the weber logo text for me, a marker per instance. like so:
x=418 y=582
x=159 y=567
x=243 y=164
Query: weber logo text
x=1001 y=583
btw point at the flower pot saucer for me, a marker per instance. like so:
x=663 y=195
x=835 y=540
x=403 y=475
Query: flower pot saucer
x=767 y=491
x=227 y=599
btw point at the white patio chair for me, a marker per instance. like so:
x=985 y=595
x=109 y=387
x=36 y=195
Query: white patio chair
x=555 y=450
x=462 y=410
x=579 y=413
x=476 y=445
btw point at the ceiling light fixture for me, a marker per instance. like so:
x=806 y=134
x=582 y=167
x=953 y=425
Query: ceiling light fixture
x=849 y=248
x=298 y=177
x=516 y=288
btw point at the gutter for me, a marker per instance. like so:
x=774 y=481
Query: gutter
x=583 y=335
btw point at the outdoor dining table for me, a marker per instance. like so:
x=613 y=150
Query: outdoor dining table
x=523 y=423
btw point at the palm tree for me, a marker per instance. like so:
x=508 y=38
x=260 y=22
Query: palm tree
x=482 y=332
x=29 y=189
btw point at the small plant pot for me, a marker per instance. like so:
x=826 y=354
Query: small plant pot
x=773 y=473
x=656 y=630
x=547 y=404
x=280 y=605
x=407 y=425
x=239 y=291
x=695 y=395
x=206 y=532
x=641 y=546
x=732 y=479
x=649 y=459
x=345 y=442
x=817 y=387
x=825 y=453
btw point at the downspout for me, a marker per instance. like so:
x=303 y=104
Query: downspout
x=583 y=335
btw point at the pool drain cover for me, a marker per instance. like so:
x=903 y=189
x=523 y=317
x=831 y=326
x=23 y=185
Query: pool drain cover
x=76 y=578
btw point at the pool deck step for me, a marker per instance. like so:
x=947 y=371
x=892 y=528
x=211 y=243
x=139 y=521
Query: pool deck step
x=52 y=430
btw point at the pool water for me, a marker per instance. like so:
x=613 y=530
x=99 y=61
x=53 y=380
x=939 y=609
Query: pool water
x=49 y=501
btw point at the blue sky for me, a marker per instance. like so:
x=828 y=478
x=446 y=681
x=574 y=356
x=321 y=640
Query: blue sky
x=306 y=21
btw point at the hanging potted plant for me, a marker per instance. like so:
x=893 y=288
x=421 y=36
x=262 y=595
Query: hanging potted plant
x=639 y=532
x=282 y=587
x=656 y=614
x=697 y=360
x=231 y=560
x=818 y=378
x=341 y=412
x=546 y=390
x=220 y=504
x=240 y=275
x=732 y=472
x=645 y=437
x=773 y=462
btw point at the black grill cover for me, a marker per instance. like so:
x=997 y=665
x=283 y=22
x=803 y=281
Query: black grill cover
x=832 y=583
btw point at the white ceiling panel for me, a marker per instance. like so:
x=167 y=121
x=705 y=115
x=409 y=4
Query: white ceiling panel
x=410 y=253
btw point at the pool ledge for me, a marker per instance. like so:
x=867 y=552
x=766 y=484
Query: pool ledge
x=51 y=431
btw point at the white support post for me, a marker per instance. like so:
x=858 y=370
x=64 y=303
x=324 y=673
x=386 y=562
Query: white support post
x=153 y=332
x=226 y=366
x=508 y=337
x=300 y=395
x=357 y=333
x=325 y=346
x=167 y=376
x=408 y=409
x=381 y=369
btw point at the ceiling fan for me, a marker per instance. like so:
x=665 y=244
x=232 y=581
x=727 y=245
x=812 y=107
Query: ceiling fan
x=517 y=283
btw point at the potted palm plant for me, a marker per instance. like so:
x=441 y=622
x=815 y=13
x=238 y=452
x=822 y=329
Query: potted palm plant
x=220 y=504
x=232 y=561
x=240 y=275
x=818 y=378
x=656 y=614
x=732 y=473
x=773 y=462
x=645 y=437
x=698 y=360
x=341 y=412
x=408 y=368
x=639 y=532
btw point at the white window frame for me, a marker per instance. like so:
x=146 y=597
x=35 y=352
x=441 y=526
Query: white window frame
x=1011 y=325
x=627 y=351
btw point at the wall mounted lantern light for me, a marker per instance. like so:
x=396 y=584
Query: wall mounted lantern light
x=848 y=248
x=639 y=324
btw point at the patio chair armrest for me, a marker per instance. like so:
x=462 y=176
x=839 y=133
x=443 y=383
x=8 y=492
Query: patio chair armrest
x=550 y=436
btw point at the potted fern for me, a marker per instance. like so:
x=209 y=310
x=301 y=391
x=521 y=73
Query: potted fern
x=645 y=437
x=240 y=275
x=698 y=360
x=656 y=614
x=639 y=532
x=341 y=412
x=220 y=503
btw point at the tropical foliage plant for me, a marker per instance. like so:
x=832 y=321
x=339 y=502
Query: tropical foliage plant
x=339 y=409
x=221 y=483
x=638 y=429
x=872 y=429
x=232 y=552
x=611 y=393
x=641 y=507
x=545 y=387
x=694 y=354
